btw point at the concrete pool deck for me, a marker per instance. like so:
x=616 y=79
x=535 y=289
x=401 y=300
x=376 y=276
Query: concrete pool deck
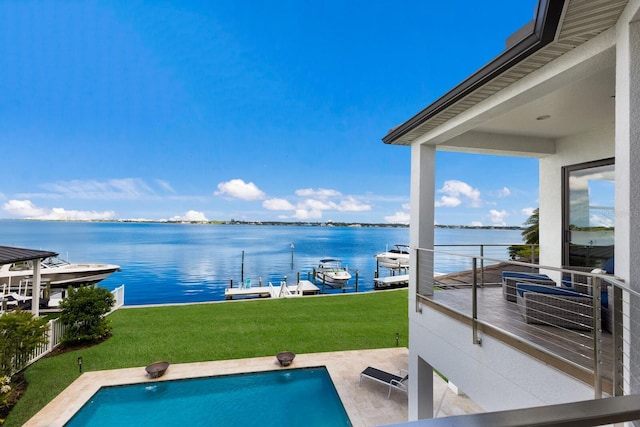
x=366 y=404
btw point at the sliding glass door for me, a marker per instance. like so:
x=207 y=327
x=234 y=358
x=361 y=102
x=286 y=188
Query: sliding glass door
x=589 y=213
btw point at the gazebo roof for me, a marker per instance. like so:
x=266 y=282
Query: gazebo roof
x=10 y=254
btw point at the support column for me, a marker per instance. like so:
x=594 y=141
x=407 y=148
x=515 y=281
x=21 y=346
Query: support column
x=421 y=235
x=424 y=403
x=35 y=292
x=627 y=244
x=422 y=217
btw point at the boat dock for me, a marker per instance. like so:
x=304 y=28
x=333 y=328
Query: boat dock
x=396 y=281
x=283 y=290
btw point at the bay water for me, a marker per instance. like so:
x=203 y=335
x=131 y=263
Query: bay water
x=185 y=263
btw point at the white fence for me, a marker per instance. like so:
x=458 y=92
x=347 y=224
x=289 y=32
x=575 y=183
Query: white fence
x=118 y=293
x=56 y=329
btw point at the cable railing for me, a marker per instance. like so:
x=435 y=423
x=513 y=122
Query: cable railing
x=447 y=257
x=582 y=322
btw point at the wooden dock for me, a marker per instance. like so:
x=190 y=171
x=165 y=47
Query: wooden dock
x=391 y=281
x=304 y=287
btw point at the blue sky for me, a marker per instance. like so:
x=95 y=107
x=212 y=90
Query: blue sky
x=247 y=110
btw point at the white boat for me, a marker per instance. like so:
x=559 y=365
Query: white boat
x=332 y=273
x=57 y=272
x=394 y=258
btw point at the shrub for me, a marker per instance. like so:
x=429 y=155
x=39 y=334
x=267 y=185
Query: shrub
x=20 y=333
x=83 y=313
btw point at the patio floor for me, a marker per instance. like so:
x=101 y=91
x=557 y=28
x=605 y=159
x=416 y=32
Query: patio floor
x=366 y=404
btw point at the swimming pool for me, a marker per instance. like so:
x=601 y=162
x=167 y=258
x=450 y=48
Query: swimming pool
x=275 y=398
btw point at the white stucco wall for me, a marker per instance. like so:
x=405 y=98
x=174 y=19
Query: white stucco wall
x=495 y=376
x=595 y=145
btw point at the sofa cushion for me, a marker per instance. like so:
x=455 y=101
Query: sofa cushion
x=521 y=288
x=523 y=275
x=609 y=266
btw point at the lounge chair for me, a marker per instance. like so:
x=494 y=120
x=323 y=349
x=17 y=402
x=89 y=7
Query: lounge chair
x=393 y=381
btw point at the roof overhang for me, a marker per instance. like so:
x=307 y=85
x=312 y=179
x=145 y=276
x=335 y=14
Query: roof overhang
x=559 y=28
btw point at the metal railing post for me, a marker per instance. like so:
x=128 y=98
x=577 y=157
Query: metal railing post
x=417 y=279
x=474 y=304
x=481 y=266
x=615 y=320
x=597 y=338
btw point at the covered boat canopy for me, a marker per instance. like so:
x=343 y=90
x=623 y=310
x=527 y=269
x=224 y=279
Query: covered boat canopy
x=9 y=255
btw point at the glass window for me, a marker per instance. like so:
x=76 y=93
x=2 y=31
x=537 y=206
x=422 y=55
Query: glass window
x=589 y=213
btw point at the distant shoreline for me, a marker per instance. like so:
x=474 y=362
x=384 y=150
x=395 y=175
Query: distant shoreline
x=278 y=223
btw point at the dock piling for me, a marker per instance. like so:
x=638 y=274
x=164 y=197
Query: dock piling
x=242 y=268
x=292 y=247
x=357 y=274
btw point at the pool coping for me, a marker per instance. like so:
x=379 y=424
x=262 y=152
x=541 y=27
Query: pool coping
x=366 y=404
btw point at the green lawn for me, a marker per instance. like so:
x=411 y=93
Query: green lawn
x=229 y=330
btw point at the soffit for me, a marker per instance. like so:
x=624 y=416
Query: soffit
x=582 y=21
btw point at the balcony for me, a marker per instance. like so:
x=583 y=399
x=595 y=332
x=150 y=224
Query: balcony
x=592 y=347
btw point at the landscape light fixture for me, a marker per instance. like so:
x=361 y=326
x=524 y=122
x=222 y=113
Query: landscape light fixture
x=80 y=364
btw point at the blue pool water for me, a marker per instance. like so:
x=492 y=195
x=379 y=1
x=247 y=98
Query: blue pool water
x=293 y=397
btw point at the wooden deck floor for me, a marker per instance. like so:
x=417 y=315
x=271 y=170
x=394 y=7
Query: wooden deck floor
x=492 y=274
x=573 y=345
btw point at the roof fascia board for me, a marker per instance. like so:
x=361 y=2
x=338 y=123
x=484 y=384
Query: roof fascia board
x=546 y=25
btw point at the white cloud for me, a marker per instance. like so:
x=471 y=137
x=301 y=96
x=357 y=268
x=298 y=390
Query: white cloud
x=498 y=217
x=527 y=211
x=601 y=221
x=455 y=191
x=239 y=189
x=321 y=193
x=113 y=189
x=278 y=205
x=22 y=209
x=406 y=206
x=317 y=205
x=191 y=215
x=476 y=223
x=505 y=192
x=447 y=202
x=195 y=216
x=165 y=185
x=398 y=218
x=307 y=214
x=313 y=202
x=350 y=204
x=73 y=215
x=26 y=209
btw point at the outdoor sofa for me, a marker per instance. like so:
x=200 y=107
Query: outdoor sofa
x=511 y=278
x=554 y=306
